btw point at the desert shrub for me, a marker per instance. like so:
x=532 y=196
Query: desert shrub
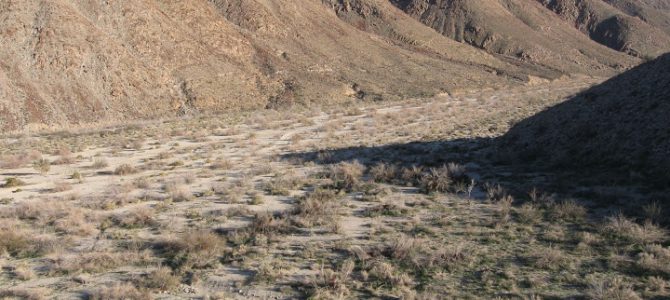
x=13 y=182
x=161 y=279
x=76 y=175
x=346 y=175
x=256 y=199
x=125 y=169
x=42 y=166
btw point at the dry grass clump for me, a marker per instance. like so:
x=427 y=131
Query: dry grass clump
x=221 y=164
x=654 y=259
x=611 y=289
x=125 y=169
x=495 y=192
x=22 y=272
x=61 y=186
x=118 y=291
x=529 y=213
x=89 y=262
x=283 y=184
x=136 y=218
x=177 y=192
x=100 y=163
x=346 y=175
x=317 y=208
x=15 y=242
x=267 y=223
x=443 y=179
x=621 y=228
x=65 y=157
x=23 y=293
x=411 y=175
x=550 y=258
x=196 y=249
x=568 y=210
x=653 y=211
x=332 y=284
x=421 y=256
x=17 y=161
x=162 y=279
x=385 y=209
x=383 y=273
x=383 y=172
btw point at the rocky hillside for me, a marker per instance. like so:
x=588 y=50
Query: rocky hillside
x=620 y=125
x=79 y=61
x=620 y=29
x=546 y=31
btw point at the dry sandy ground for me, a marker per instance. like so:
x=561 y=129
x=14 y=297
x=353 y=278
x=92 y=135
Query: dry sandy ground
x=106 y=232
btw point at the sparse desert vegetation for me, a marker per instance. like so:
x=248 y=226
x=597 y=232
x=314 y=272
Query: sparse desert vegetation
x=373 y=201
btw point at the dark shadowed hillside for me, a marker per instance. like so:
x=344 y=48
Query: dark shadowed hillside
x=621 y=124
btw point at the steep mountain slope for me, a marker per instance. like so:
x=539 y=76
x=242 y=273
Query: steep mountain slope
x=620 y=125
x=613 y=28
x=522 y=29
x=654 y=12
x=78 y=61
x=73 y=61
